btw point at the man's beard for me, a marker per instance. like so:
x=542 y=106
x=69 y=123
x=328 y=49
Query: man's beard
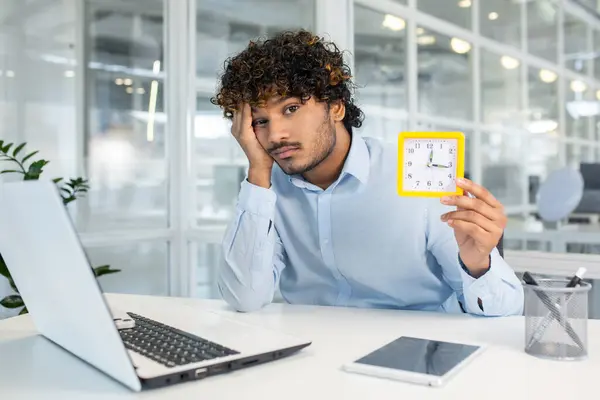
x=326 y=141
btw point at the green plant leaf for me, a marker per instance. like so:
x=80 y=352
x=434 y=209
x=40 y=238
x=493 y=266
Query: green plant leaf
x=101 y=268
x=104 y=270
x=4 y=269
x=12 y=301
x=13 y=285
x=56 y=180
x=35 y=170
x=1 y=143
x=18 y=149
x=6 y=148
x=10 y=171
x=24 y=311
x=28 y=156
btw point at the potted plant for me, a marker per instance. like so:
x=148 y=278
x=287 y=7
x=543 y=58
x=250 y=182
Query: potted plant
x=69 y=190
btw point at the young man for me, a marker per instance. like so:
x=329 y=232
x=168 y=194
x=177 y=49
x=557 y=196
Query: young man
x=318 y=214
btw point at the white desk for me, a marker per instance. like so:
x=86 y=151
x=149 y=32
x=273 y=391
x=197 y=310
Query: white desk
x=31 y=367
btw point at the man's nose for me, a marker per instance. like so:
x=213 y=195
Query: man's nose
x=278 y=131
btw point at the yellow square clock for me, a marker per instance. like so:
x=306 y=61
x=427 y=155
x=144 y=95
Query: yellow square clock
x=429 y=163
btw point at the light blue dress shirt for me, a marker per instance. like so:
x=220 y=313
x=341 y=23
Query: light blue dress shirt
x=355 y=244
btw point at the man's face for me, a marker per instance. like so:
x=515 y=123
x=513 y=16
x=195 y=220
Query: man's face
x=298 y=136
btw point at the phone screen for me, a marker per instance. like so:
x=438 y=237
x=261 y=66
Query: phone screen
x=430 y=357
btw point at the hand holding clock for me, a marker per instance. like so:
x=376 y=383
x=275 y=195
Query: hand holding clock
x=479 y=219
x=478 y=224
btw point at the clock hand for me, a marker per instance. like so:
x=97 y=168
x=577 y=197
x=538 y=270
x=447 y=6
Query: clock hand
x=440 y=166
x=430 y=159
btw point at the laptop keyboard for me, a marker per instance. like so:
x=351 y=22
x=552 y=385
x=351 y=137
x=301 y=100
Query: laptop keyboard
x=169 y=346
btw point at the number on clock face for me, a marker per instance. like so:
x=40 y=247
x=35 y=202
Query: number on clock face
x=430 y=165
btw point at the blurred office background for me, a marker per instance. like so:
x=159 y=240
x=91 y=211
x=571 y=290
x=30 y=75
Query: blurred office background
x=118 y=91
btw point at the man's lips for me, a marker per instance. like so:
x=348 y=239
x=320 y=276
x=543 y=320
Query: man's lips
x=284 y=152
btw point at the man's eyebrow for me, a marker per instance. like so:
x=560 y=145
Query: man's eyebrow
x=283 y=99
x=276 y=102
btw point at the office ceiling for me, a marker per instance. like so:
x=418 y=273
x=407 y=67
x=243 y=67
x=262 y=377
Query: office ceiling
x=55 y=20
x=49 y=26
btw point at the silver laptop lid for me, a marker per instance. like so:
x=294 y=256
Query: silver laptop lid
x=47 y=262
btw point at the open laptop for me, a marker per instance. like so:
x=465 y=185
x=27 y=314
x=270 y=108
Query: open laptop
x=48 y=264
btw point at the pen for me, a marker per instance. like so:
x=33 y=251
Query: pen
x=539 y=331
x=576 y=280
x=554 y=310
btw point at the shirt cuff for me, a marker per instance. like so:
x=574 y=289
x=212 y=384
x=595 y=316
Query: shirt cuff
x=466 y=269
x=257 y=200
x=479 y=292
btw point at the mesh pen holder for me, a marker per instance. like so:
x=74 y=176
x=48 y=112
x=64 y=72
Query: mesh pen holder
x=556 y=319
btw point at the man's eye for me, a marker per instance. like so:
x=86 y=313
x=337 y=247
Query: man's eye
x=291 y=109
x=259 y=122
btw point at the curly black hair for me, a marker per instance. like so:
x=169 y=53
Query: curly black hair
x=290 y=64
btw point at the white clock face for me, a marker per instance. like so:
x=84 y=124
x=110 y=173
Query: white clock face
x=430 y=165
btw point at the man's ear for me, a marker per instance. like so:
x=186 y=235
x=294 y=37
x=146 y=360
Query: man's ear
x=337 y=110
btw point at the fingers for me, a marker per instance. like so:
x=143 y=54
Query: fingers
x=468 y=203
x=479 y=192
x=486 y=212
x=474 y=231
x=483 y=203
x=236 y=123
x=471 y=216
x=466 y=195
x=246 y=116
x=242 y=120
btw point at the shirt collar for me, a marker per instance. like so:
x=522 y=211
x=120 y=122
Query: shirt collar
x=357 y=163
